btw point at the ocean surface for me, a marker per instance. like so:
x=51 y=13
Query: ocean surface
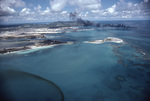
x=81 y=71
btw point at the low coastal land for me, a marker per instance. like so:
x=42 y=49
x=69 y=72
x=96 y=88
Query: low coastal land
x=43 y=43
x=108 y=39
x=35 y=34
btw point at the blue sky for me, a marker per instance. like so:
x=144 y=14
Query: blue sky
x=25 y=11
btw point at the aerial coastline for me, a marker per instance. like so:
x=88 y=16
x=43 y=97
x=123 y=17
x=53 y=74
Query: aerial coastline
x=36 y=33
x=74 y=50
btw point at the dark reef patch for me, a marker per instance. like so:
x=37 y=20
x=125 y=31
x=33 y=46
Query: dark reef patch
x=120 y=78
x=131 y=75
x=113 y=85
x=21 y=86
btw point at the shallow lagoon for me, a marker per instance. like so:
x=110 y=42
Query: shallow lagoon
x=88 y=72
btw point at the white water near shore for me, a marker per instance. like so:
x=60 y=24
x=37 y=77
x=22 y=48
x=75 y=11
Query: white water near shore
x=33 y=49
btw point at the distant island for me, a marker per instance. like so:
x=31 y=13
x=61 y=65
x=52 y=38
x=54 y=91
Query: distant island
x=35 y=33
x=108 y=39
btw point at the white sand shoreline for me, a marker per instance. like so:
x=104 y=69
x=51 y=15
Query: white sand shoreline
x=34 y=48
x=108 y=39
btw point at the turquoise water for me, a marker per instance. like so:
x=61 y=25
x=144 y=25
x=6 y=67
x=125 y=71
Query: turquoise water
x=82 y=71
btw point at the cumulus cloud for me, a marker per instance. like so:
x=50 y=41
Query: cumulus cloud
x=59 y=5
x=25 y=11
x=86 y=9
x=112 y=9
x=40 y=14
x=123 y=9
x=46 y=11
x=38 y=8
x=132 y=10
x=12 y=3
x=64 y=12
x=86 y=4
x=7 y=6
x=146 y=0
x=7 y=11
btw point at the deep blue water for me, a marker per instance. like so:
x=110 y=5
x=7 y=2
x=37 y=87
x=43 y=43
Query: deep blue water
x=82 y=71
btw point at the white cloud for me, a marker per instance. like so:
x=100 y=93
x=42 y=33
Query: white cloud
x=146 y=0
x=38 y=14
x=47 y=11
x=64 y=12
x=5 y=11
x=95 y=11
x=112 y=9
x=57 y=5
x=123 y=9
x=7 y=6
x=86 y=4
x=83 y=14
x=25 y=11
x=11 y=3
x=18 y=3
x=86 y=13
x=86 y=9
x=38 y=8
